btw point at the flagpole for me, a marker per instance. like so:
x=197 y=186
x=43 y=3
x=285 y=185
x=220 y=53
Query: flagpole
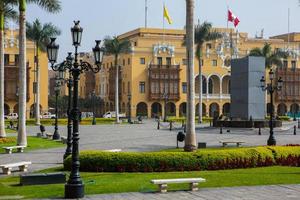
x=227 y=16
x=164 y=32
x=146 y=13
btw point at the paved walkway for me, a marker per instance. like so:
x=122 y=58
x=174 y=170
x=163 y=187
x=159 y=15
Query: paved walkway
x=276 y=192
x=143 y=137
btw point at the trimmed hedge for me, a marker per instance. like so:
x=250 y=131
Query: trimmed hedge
x=99 y=161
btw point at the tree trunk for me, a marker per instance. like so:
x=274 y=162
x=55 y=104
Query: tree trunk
x=2 y=123
x=117 y=90
x=190 y=141
x=22 y=138
x=38 y=79
x=200 y=92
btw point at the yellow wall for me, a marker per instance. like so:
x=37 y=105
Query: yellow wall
x=11 y=48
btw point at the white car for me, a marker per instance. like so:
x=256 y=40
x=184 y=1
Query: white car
x=11 y=116
x=112 y=114
x=48 y=115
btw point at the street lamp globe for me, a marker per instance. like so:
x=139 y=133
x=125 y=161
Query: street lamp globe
x=98 y=53
x=69 y=58
x=262 y=82
x=76 y=31
x=52 y=51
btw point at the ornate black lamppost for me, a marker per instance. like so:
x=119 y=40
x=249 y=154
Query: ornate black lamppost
x=56 y=135
x=271 y=88
x=74 y=188
x=165 y=97
x=94 y=99
x=129 y=108
x=61 y=68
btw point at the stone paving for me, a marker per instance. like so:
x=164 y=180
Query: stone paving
x=146 y=137
x=274 y=192
x=143 y=137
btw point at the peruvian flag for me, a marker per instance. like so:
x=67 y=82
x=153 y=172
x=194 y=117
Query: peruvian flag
x=232 y=18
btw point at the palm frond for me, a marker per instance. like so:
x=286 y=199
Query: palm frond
x=52 y=6
x=256 y=52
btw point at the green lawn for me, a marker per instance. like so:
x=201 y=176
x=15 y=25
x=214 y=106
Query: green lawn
x=34 y=143
x=98 y=183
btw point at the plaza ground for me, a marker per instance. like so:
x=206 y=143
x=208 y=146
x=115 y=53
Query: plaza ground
x=146 y=137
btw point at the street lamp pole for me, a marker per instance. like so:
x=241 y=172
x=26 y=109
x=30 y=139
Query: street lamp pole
x=74 y=188
x=94 y=99
x=56 y=135
x=165 y=96
x=129 y=108
x=271 y=88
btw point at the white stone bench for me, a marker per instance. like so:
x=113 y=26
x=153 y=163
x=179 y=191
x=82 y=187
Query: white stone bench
x=163 y=183
x=8 y=167
x=49 y=135
x=238 y=143
x=8 y=150
x=64 y=139
x=113 y=150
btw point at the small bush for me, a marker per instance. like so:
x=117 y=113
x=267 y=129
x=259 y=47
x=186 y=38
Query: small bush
x=7 y=140
x=99 y=161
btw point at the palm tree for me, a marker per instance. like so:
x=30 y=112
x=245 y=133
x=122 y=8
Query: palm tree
x=203 y=33
x=190 y=141
x=6 y=12
x=50 y=6
x=272 y=57
x=40 y=35
x=114 y=46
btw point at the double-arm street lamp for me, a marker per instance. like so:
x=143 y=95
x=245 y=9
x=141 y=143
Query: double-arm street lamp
x=271 y=87
x=165 y=97
x=56 y=135
x=93 y=102
x=74 y=188
x=129 y=108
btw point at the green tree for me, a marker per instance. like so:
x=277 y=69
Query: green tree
x=114 y=46
x=7 y=12
x=52 y=6
x=272 y=57
x=190 y=141
x=40 y=34
x=203 y=33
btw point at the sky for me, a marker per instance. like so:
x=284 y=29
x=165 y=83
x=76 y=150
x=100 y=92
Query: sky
x=101 y=18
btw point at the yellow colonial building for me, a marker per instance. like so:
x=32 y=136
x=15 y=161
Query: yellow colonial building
x=154 y=74
x=11 y=60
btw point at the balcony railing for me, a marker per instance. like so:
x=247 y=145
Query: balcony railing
x=163 y=67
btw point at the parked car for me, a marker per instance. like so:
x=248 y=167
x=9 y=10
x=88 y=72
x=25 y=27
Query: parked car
x=112 y=114
x=48 y=115
x=11 y=116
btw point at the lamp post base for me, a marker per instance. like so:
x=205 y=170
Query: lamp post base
x=94 y=121
x=74 y=191
x=56 y=135
x=271 y=141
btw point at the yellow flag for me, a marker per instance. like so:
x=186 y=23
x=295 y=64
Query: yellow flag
x=167 y=16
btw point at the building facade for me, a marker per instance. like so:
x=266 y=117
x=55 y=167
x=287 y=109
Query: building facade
x=154 y=73
x=11 y=60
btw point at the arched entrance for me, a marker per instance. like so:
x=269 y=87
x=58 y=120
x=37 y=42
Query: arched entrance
x=226 y=109
x=281 y=109
x=294 y=108
x=156 y=109
x=171 y=109
x=32 y=110
x=214 y=110
x=6 y=109
x=16 y=108
x=203 y=85
x=142 y=109
x=182 y=109
x=214 y=85
x=203 y=109
x=226 y=84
